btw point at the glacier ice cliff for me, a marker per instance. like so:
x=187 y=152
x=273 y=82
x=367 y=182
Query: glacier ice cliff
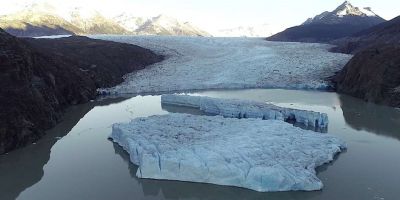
x=248 y=109
x=262 y=155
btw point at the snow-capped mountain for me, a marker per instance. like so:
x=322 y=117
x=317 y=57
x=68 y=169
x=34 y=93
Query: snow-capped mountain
x=37 y=20
x=165 y=25
x=129 y=21
x=347 y=13
x=92 y=22
x=247 y=31
x=344 y=21
x=41 y=19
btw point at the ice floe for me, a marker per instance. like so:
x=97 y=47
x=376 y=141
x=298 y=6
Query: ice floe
x=262 y=155
x=197 y=63
x=248 y=109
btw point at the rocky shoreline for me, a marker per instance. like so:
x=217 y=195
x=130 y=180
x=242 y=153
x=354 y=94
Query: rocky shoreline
x=373 y=74
x=40 y=78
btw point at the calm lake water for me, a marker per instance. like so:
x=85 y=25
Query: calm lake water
x=76 y=161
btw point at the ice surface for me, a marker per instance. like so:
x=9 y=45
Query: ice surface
x=248 y=109
x=213 y=63
x=262 y=155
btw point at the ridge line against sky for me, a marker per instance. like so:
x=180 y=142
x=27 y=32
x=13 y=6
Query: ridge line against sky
x=214 y=15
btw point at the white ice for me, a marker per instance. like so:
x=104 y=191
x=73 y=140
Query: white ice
x=248 y=109
x=262 y=155
x=212 y=63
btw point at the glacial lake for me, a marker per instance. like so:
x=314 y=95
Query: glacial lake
x=75 y=160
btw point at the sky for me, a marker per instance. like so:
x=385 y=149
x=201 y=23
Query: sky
x=212 y=15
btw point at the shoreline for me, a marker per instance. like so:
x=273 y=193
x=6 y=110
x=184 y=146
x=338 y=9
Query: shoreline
x=43 y=77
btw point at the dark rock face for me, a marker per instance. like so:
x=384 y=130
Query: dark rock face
x=36 y=31
x=383 y=34
x=374 y=72
x=104 y=61
x=39 y=78
x=373 y=75
x=316 y=33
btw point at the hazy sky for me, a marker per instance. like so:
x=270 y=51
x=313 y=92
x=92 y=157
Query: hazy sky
x=212 y=15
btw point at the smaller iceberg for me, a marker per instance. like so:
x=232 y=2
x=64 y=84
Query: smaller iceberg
x=249 y=109
x=262 y=155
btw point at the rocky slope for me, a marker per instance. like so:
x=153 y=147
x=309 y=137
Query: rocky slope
x=344 y=21
x=384 y=33
x=29 y=23
x=39 y=83
x=373 y=74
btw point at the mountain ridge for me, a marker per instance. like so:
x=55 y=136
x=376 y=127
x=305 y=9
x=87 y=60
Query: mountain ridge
x=373 y=74
x=343 y=21
x=385 y=33
x=43 y=19
x=165 y=25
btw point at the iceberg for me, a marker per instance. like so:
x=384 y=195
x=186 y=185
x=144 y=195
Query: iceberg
x=261 y=155
x=248 y=109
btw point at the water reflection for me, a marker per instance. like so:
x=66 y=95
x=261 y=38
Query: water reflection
x=84 y=165
x=184 y=190
x=381 y=120
x=182 y=109
x=23 y=168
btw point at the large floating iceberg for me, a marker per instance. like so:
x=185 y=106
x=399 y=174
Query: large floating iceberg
x=248 y=109
x=262 y=155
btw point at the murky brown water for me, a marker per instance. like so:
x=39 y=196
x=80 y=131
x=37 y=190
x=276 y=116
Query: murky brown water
x=76 y=161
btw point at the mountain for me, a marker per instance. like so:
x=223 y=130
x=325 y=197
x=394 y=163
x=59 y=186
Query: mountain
x=92 y=22
x=37 y=20
x=165 y=25
x=344 y=21
x=43 y=19
x=373 y=74
x=246 y=31
x=347 y=14
x=382 y=34
x=129 y=21
x=40 y=78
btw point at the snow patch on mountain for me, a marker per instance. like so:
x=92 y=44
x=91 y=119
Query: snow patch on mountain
x=130 y=21
x=368 y=11
x=166 y=25
x=344 y=10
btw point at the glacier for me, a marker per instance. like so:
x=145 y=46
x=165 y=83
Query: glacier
x=261 y=155
x=234 y=108
x=199 y=63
